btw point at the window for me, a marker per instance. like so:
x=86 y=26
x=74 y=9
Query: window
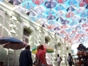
x=26 y=34
x=59 y=44
x=67 y=48
x=47 y=39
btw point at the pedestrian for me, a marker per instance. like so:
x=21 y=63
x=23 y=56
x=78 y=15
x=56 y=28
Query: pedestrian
x=70 y=59
x=59 y=59
x=81 y=47
x=41 y=56
x=25 y=58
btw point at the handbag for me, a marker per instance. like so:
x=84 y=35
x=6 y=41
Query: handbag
x=38 y=61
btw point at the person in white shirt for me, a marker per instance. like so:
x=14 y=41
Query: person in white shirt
x=59 y=59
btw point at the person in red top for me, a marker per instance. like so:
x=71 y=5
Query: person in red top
x=41 y=53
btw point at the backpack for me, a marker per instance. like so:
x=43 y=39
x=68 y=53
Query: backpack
x=69 y=59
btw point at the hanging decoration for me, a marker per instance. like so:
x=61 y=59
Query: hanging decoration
x=60 y=1
x=50 y=4
x=68 y=18
x=38 y=2
x=86 y=1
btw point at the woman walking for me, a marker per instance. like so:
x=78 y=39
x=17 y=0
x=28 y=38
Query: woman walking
x=41 y=56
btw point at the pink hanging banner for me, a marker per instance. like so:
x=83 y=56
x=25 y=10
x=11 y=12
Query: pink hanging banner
x=60 y=1
x=86 y=1
x=77 y=36
x=64 y=27
x=70 y=14
x=38 y=2
x=50 y=26
x=66 y=38
x=86 y=29
x=81 y=4
x=70 y=41
x=82 y=35
x=63 y=32
x=85 y=25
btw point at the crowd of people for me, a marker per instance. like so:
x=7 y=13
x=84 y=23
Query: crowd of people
x=82 y=55
x=25 y=58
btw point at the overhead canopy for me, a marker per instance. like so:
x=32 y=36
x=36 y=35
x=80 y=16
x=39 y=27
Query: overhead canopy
x=70 y=16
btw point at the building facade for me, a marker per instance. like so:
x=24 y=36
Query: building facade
x=15 y=24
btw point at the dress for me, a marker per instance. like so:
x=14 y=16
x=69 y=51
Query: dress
x=41 y=54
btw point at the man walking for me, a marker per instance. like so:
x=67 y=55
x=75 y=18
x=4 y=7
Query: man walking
x=25 y=58
x=70 y=59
